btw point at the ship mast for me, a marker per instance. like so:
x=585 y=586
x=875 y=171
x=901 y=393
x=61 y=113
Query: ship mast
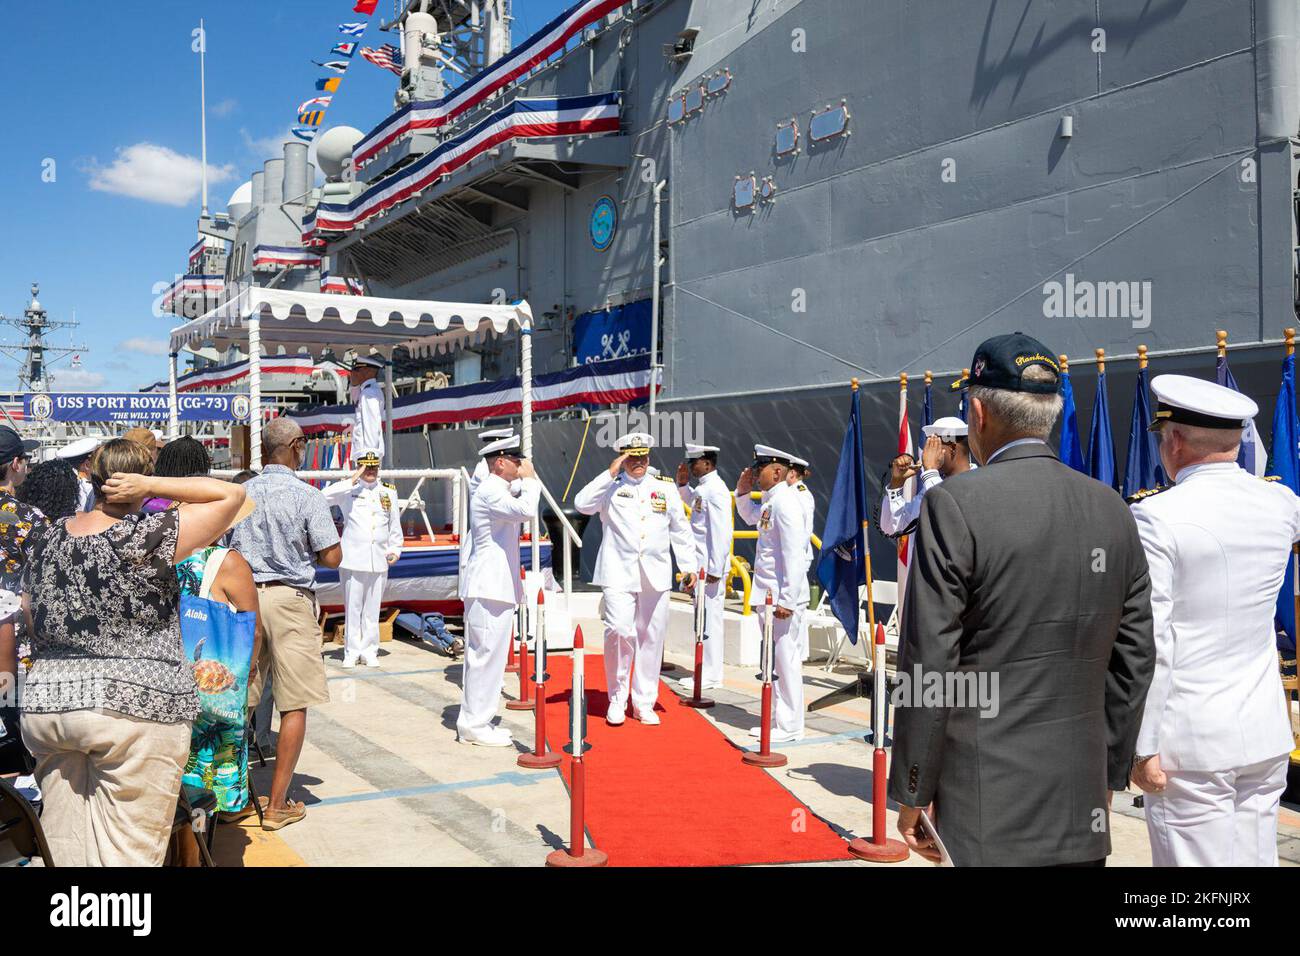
x=34 y=355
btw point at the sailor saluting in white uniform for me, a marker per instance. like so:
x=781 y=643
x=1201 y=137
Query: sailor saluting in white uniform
x=490 y=585
x=945 y=454
x=372 y=540
x=481 y=469
x=368 y=396
x=1215 y=735
x=77 y=454
x=781 y=568
x=712 y=528
x=641 y=518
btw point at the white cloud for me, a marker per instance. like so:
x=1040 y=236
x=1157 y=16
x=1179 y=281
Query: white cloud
x=144 y=346
x=71 y=378
x=156 y=174
x=224 y=108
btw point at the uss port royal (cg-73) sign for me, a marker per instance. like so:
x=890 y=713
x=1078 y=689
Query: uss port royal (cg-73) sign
x=131 y=407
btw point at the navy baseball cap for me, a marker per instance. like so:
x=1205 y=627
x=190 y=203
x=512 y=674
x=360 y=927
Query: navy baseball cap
x=13 y=445
x=1000 y=362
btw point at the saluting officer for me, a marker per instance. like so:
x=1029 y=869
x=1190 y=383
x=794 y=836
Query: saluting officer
x=797 y=478
x=781 y=568
x=372 y=540
x=1213 y=747
x=946 y=453
x=368 y=396
x=490 y=586
x=481 y=469
x=712 y=528
x=78 y=454
x=641 y=517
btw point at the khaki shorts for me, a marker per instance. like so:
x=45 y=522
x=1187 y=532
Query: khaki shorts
x=291 y=651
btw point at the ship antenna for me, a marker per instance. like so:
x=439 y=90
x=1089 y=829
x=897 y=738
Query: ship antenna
x=203 y=116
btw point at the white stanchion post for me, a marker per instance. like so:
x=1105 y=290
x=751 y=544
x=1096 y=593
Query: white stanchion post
x=173 y=410
x=255 y=391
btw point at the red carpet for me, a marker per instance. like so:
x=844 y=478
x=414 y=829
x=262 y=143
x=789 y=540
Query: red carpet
x=677 y=794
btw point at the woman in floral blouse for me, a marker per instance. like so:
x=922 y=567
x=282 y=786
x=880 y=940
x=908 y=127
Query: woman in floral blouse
x=109 y=700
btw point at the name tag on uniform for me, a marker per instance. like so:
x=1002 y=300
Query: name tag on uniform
x=658 y=501
x=765 y=519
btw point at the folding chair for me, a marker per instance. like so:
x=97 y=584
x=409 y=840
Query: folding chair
x=21 y=836
x=190 y=801
x=883 y=592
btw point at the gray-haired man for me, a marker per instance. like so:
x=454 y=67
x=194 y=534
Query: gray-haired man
x=283 y=540
x=1030 y=588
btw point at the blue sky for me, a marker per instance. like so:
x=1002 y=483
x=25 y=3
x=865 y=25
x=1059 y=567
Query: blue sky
x=109 y=93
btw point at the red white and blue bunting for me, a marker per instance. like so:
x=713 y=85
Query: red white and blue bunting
x=522 y=119
x=620 y=382
x=221 y=376
x=177 y=296
x=538 y=48
x=278 y=257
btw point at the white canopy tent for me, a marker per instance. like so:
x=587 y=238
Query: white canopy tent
x=257 y=319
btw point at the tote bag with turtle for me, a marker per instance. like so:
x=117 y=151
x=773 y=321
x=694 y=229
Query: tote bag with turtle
x=219 y=642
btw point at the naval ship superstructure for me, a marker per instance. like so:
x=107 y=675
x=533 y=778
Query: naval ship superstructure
x=803 y=192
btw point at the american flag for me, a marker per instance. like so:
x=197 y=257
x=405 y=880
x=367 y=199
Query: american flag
x=387 y=56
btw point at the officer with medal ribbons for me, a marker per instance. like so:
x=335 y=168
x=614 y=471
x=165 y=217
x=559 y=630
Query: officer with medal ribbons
x=642 y=518
x=712 y=528
x=780 y=568
x=372 y=540
x=1215 y=736
x=490 y=585
x=368 y=396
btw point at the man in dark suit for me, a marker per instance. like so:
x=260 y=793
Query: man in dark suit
x=1029 y=603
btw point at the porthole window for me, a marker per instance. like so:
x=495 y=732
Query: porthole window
x=744 y=191
x=695 y=99
x=676 y=109
x=787 y=139
x=829 y=123
x=718 y=82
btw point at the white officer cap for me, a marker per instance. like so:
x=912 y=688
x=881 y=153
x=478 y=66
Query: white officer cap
x=1194 y=401
x=634 y=443
x=369 y=361
x=798 y=462
x=947 y=429
x=500 y=447
x=492 y=434
x=77 y=449
x=764 y=454
x=701 y=451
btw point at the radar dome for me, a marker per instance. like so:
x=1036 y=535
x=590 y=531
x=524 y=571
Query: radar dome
x=334 y=147
x=241 y=196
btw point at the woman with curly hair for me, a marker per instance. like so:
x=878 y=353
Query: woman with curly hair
x=52 y=488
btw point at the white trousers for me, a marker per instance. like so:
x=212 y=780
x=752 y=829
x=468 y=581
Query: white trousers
x=787 y=661
x=362 y=593
x=714 y=627
x=1217 y=818
x=487 y=642
x=635 y=626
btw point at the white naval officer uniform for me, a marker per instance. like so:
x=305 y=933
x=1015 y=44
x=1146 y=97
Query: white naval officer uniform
x=809 y=513
x=1217 y=545
x=897 y=511
x=712 y=528
x=481 y=469
x=372 y=530
x=641 y=520
x=491 y=590
x=75 y=454
x=781 y=567
x=368 y=423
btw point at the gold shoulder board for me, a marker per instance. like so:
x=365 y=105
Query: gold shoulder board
x=1146 y=493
